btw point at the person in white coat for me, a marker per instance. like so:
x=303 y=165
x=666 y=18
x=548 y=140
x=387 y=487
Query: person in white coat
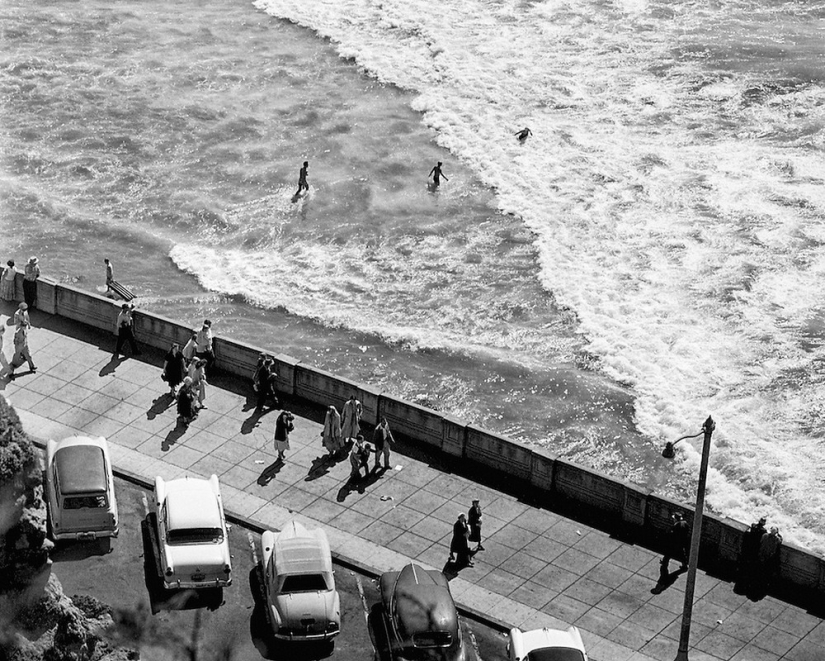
x=351 y=418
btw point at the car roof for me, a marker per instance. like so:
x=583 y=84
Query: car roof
x=541 y=638
x=81 y=467
x=191 y=503
x=422 y=602
x=298 y=550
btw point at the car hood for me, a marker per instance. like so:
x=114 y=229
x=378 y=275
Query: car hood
x=298 y=606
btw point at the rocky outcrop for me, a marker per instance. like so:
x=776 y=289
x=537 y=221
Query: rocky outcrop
x=55 y=628
x=37 y=621
x=24 y=548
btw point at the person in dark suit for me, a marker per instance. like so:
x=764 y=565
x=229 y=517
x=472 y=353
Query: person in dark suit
x=678 y=542
x=749 y=555
x=459 y=545
x=474 y=521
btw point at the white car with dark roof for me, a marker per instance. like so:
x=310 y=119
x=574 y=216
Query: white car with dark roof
x=192 y=537
x=546 y=645
x=80 y=489
x=301 y=599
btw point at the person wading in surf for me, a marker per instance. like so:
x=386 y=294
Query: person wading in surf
x=523 y=134
x=302 y=179
x=436 y=174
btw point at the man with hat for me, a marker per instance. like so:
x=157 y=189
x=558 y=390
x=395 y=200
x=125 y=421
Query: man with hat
x=123 y=328
x=21 y=350
x=203 y=344
x=30 y=276
x=21 y=316
x=474 y=521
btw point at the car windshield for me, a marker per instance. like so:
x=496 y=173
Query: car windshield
x=304 y=583
x=195 y=536
x=83 y=502
x=555 y=654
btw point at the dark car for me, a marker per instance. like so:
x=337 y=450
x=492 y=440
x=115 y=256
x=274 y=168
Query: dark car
x=419 y=616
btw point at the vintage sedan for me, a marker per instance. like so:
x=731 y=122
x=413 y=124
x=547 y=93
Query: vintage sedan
x=192 y=539
x=302 y=603
x=546 y=645
x=80 y=489
x=419 y=616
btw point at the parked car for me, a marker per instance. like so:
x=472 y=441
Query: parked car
x=80 y=489
x=192 y=539
x=302 y=603
x=419 y=616
x=546 y=645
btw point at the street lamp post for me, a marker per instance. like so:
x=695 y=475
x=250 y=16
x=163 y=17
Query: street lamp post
x=695 y=536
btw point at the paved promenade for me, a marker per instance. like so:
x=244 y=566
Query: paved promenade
x=538 y=569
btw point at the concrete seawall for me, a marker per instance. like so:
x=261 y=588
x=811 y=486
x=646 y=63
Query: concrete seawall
x=626 y=509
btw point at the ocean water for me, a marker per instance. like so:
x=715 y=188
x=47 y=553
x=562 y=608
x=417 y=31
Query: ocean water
x=652 y=254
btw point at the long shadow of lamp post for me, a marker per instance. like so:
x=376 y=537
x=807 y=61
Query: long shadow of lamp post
x=696 y=534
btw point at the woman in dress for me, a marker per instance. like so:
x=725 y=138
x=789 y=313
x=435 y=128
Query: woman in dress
x=332 y=431
x=283 y=425
x=186 y=402
x=174 y=368
x=7 y=281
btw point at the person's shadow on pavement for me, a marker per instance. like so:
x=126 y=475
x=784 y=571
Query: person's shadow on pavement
x=111 y=366
x=666 y=579
x=270 y=472
x=173 y=436
x=320 y=467
x=159 y=405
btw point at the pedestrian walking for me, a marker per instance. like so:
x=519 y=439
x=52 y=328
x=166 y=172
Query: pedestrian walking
x=110 y=275
x=459 y=544
x=749 y=555
x=302 y=179
x=3 y=362
x=256 y=374
x=358 y=459
x=124 y=331
x=174 y=368
x=474 y=521
x=678 y=542
x=188 y=350
x=267 y=385
x=523 y=134
x=436 y=174
x=351 y=418
x=283 y=425
x=8 y=280
x=186 y=402
x=30 y=276
x=197 y=372
x=203 y=344
x=21 y=351
x=767 y=564
x=21 y=316
x=382 y=440
x=332 y=439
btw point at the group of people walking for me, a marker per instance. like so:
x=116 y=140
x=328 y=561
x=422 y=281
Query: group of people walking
x=185 y=371
x=466 y=529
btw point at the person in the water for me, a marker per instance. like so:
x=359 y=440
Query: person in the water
x=436 y=174
x=523 y=134
x=302 y=179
